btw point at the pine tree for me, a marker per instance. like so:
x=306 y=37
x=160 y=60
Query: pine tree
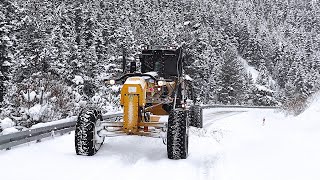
x=232 y=82
x=10 y=22
x=263 y=77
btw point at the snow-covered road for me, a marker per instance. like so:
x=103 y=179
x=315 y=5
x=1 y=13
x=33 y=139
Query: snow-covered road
x=230 y=146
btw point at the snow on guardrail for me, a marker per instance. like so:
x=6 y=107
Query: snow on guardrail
x=43 y=130
x=36 y=134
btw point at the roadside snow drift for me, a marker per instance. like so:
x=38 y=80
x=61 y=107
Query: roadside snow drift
x=283 y=148
x=6 y=123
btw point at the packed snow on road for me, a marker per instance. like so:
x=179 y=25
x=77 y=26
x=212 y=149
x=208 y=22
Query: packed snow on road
x=256 y=144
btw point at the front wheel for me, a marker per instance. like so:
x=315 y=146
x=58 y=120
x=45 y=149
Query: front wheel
x=178 y=134
x=87 y=140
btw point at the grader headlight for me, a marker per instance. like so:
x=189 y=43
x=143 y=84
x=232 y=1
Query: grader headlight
x=161 y=82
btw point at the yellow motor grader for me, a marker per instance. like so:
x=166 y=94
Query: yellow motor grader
x=157 y=102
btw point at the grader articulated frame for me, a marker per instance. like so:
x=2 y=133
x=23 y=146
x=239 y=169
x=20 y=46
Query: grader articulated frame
x=160 y=89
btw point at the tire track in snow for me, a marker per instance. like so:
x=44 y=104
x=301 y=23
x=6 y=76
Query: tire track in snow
x=209 y=160
x=209 y=119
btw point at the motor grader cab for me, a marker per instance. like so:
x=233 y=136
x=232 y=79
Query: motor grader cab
x=157 y=102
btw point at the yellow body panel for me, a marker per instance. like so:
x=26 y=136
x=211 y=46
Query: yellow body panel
x=154 y=118
x=158 y=110
x=133 y=96
x=134 y=85
x=131 y=115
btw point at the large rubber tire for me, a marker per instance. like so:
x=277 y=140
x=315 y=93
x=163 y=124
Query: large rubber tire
x=196 y=116
x=178 y=134
x=86 y=142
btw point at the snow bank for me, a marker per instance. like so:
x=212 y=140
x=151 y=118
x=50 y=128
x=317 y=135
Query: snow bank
x=309 y=120
x=313 y=112
x=36 y=111
x=6 y=123
x=284 y=147
x=9 y=130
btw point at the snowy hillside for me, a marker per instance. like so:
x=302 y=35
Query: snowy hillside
x=232 y=146
x=55 y=54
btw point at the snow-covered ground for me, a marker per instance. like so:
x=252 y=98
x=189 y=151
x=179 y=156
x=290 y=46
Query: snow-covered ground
x=231 y=146
x=282 y=148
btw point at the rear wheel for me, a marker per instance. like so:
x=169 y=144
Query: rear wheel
x=178 y=134
x=87 y=140
x=196 y=119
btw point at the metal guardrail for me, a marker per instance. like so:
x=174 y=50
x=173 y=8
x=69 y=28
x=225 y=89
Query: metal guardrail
x=36 y=134
x=14 y=139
